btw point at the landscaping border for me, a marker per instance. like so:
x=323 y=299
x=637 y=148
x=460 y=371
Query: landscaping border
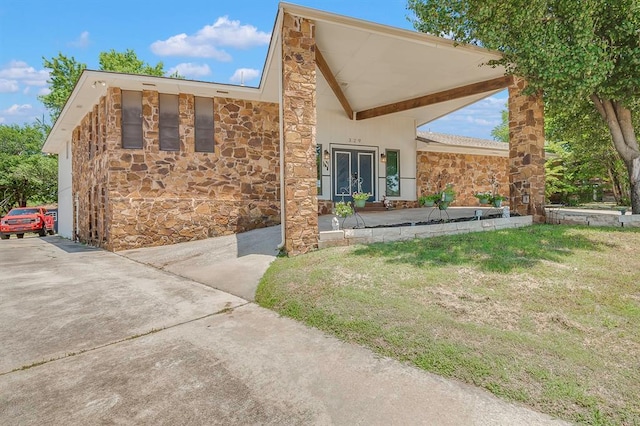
x=572 y=217
x=348 y=237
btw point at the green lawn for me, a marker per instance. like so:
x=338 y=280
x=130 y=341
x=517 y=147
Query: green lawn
x=548 y=316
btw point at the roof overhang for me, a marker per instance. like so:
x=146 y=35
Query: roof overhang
x=378 y=66
x=375 y=67
x=93 y=84
x=495 y=149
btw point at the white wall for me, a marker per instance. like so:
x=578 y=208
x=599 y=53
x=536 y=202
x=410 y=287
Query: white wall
x=335 y=130
x=65 y=196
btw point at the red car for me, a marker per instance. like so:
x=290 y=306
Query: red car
x=22 y=220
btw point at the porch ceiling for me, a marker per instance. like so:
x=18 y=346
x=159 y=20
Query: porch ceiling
x=377 y=65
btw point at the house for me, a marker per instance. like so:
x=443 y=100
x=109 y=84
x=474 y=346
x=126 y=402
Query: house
x=148 y=161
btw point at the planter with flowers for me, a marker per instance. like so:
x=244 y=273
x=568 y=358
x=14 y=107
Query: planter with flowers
x=360 y=198
x=483 y=197
x=497 y=200
x=343 y=209
x=429 y=200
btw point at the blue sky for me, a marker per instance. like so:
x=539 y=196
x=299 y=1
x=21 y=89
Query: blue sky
x=209 y=40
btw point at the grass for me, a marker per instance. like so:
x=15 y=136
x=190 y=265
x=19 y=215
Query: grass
x=548 y=316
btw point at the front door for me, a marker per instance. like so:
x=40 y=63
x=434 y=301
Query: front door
x=353 y=171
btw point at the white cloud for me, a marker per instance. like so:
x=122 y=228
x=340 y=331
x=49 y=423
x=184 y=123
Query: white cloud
x=82 y=41
x=44 y=91
x=243 y=75
x=481 y=121
x=21 y=72
x=206 y=43
x=18 y=110
x=16 y=114
x=8 y=86
x=189 y=69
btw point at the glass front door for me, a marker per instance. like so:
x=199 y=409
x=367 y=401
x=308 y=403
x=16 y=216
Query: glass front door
x=353 y=171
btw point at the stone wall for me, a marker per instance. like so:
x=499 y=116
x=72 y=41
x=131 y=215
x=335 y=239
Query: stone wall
x=299 y=134
x=89 y=160
x=526 y=152
x=469 y=174
x=162 y=197
x=559 y=216
x=325 y=207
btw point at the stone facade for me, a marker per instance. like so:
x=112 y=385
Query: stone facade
x=299 y=134
x=129 y=198
x=526 y=152
x=90 y=161
x=469 y=174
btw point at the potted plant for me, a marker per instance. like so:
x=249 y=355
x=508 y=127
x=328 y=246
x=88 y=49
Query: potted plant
x=443 y=205
x=360 y=198
x=448 y=194
x=429 y=200
x=343 y=209
x=483 y=197
x=497 y=200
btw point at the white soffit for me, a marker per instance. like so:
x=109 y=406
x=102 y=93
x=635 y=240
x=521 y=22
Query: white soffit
x=377 y=65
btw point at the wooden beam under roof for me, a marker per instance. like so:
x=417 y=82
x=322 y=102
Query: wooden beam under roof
x=434 y=98
x=333 y=83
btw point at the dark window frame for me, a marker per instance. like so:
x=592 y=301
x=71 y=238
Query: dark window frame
x=169 y=122
x=204 y=125
x=131 y=133
x=386 y=173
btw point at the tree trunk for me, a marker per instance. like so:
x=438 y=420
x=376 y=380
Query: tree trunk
x=634 y=182
x=618 y=119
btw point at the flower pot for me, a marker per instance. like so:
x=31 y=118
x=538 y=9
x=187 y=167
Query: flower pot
x=484 y=200
x=360 y=203
x=497 y=203
x=429 y=203
x=447 y=198
x=443 y=205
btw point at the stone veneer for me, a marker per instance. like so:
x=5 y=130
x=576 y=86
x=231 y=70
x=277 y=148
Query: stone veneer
x=299 y=135
x=526 y=151
x=130 y=198
x=468 y=173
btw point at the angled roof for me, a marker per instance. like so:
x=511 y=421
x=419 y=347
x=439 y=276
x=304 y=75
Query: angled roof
x=374 y=65
x=441 y=142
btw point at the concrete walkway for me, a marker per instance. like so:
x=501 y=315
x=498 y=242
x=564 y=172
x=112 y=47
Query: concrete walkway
x=91 y=337
x=233 y=263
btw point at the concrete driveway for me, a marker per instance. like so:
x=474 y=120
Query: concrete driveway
x=91 y=337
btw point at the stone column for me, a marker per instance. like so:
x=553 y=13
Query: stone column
x=299 y=133
x=526 y=152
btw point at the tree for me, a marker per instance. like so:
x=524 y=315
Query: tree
x=128 y=62
x=63 y=76
x=501 y=131
x=590 y=156
x=66 y=71
x=570 y=52
x=26 y=175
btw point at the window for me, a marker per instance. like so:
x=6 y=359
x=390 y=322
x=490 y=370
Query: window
x=204 y=125
x=319 y=168
x=393 y=173
x=169 y=123
x=131 y=119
